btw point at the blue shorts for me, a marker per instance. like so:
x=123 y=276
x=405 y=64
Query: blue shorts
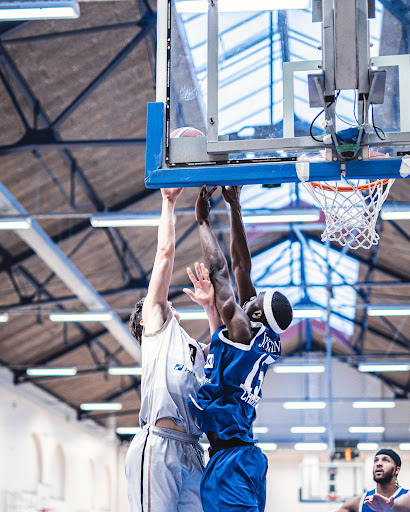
x=235 y=481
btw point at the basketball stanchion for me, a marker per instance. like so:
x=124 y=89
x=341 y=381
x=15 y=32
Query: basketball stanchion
x=351 y=210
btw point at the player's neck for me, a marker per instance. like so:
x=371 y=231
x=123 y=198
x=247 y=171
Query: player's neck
x=387 y=489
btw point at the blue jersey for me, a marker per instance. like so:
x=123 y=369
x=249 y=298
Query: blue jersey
x=365 y=508
x=234 y=373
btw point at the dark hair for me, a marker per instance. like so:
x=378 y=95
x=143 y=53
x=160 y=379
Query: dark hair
x=135 y=319
x=282 y=310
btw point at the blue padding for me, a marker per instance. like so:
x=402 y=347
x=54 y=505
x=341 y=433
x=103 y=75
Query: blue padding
x=373 y=169
x=155 y=134
x=243 y=174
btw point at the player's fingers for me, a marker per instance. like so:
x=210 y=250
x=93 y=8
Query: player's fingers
x=189 y=292
x=205 y=272
x=198 y=271
x=209 y=194
x=191 y=275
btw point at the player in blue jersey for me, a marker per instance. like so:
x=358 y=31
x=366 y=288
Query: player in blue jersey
x=241 y=351
x=386 y=467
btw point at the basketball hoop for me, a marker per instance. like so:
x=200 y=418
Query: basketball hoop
x=351 y=210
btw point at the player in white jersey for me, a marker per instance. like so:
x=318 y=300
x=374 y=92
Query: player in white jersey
x=164 y=463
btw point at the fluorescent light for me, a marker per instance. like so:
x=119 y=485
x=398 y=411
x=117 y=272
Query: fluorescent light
x=389 y=310
x=281 y=217
x=89 y=316
x=302 y=368
x=4 y=317
x=127 y=431
x=396 y=212
x=125 y=371
x=201 y=6
x=101 y=407
x=366 y=430
x=384 y=367
x=124 y=220
x=382 y=404
x=267 y=447
x=307 y=312
x=304 y=405
x=367 y=447
x=14 y=222
x=404 y=446
x=260 y=430
x=192 y=314
x=310 y=446
x=308 y=430
x=39 y=10
x=51 y=372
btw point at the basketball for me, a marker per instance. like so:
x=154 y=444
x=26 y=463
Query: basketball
x=186 y=131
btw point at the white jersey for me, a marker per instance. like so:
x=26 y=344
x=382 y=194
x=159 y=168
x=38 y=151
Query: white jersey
x=172 y=369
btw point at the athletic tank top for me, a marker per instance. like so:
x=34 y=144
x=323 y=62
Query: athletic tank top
x=234 y=373
x=172 y=369
x=366 y=508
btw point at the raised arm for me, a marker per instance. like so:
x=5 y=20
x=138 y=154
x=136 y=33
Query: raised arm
x=240 y=253
x=156 y=308
x=232 y=315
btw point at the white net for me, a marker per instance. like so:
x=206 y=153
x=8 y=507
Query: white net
x=351 y=210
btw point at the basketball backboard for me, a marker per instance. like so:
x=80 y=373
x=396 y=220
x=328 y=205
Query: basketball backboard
x=260 y=84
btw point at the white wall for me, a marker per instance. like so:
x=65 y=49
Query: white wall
x=46 y=453
x=48 y=458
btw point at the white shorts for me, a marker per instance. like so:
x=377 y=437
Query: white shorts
x=164 y=469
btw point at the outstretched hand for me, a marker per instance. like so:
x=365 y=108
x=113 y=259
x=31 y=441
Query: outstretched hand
x=232 y=194
x=203 y=293
x=379 y=503
x=203 y=206
x=171 y=193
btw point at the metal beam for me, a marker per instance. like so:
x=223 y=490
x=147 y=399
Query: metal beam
x=50 y=253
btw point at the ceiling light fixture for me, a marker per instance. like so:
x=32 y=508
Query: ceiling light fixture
x=395 y=212
x=384 y=367
x=310 y=446
x=4 y=317
x=291 y=215
x=374 y=404
x=299 y=368
x=201 y=6
x=128 y=431
x=124 y=220
x=304 y=405
x=307 y=312
x=51 y=372
x=192 y=314
x=389 y=310
x=267 y=447
x=363 y=447
x=125 y=371
x=366 y=430
x=88 y=316
x=38 y=9
x=260 y=430
x=404 y=446
x=101 y=407
x=308 y=430
x=14 y=222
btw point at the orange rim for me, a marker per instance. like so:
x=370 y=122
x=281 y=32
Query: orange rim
x=377 y=183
